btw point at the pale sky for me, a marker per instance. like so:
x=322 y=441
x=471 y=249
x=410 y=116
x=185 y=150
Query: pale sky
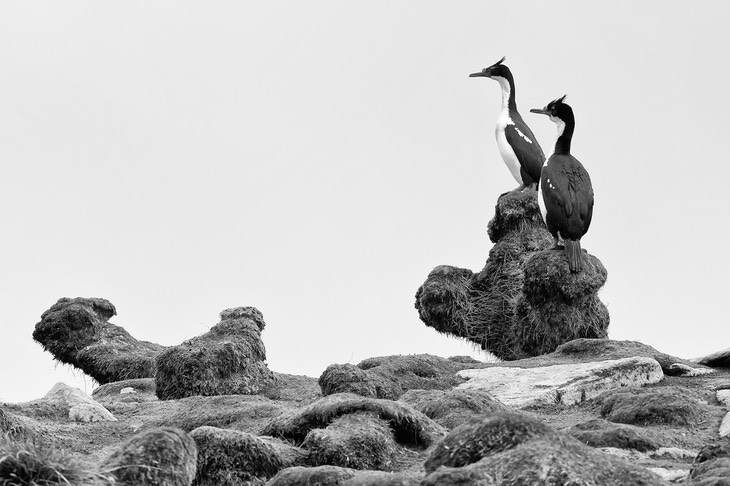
x=317 y=159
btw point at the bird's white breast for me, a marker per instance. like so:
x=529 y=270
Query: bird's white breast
x=505 y=149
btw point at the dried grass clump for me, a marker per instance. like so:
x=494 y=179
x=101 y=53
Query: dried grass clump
x=162 y=456
x=512 y=307
x=410 y=427
x=229 y=359
x=390 y=376
x=357 y=440
x=77 y=332
x=237 y=458
x=29 y=463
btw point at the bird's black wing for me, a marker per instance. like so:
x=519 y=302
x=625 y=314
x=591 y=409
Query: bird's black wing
x=530 y=154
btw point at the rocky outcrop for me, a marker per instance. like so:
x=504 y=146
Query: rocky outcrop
x=76 y=404
x=78 y=332
x=565 y=384
x=525 y=301
x=515 y=449
x=228 y=359
x=720 y=359
x=161 y=457
x=390 y=376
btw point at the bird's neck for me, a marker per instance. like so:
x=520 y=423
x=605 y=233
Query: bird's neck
x=565 y=136
x=508 y=93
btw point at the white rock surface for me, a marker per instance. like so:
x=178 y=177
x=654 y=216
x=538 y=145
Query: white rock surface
x=564 y=383
x=81 y=407
x=725 y=426
x=674 y=476
x=87 y=412
x=126 y=390
x=688 y=371
x=723 y=396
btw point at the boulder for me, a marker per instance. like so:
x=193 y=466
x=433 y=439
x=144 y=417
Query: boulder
x=77 y=405
x=564 y=383
x=515 y=449
x=390 y=376
x=78 y=332
x=505 y=308
x=161 y=456
x=229 y=359
x=410 y=427
x=601 y=433
x=357 y=440
x=669 y=405
x=237 y=458
x=720 y=359
x=453 y=407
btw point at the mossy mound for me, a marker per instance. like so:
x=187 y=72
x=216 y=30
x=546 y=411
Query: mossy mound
x=485 y=435
x=711 y=467
x=410 y=427
x=320 y=476
x=228 y=359
x=451 y=408
x=237 y=458
x=643 y=406
x=162 y=456
x=389 y=377
x=601 y=433
x=513 y=306
x=357 y=440
x=78 y=332
x=380 y=478
x=135 y=390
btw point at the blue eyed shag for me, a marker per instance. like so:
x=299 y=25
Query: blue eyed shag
x=566 y=198
x=517 y=144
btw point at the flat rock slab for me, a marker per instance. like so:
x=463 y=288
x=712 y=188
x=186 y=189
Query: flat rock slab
x=564 y=383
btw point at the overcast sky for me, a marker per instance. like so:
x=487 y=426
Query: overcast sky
x=317 y=159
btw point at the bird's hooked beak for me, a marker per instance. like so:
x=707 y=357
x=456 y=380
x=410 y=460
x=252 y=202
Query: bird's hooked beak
x=484 y=73
x=540 y=111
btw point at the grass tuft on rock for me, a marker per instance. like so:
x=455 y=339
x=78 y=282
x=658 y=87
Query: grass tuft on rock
x=28 y=463
x=453 y=407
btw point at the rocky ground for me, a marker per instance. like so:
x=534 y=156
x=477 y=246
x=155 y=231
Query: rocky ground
x=566 y=407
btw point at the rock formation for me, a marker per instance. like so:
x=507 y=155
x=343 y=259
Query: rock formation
x=525 y=301
x=78 y=332
x=228 y=359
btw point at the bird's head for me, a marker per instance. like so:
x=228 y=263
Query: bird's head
x=557 y=110
x=496 y=70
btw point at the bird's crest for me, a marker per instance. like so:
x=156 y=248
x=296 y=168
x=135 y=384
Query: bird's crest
x=498 y=62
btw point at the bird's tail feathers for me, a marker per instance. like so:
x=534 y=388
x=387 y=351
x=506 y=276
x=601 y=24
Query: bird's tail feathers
x=574 y=255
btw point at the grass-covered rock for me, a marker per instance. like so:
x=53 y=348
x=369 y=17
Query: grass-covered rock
x=78 y=332
x=237 y=458
x=358 y=440
x=390 y=376
x=453 y=407
x=410 y=427
x=162 y=456
x=645 y=406
x=525 y=301
x=601 y=433
x=228 y=359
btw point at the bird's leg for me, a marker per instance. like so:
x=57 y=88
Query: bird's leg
x=519 y=188
x=556 y=244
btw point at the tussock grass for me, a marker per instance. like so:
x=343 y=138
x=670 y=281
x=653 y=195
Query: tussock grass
x=28 y=463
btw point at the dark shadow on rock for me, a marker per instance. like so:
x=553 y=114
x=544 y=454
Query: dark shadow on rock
x=390 y=376
x=78 y=332
x=490 y=307
x=228 y=359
